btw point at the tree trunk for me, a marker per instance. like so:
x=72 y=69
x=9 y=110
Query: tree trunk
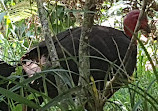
x=84 y=63
x=50 y=44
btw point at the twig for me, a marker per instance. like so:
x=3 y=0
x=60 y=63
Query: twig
x=117 y=81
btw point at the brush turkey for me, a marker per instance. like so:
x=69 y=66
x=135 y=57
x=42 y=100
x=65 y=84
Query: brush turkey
x=107 y=45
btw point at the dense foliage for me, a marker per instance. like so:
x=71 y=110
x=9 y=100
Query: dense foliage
x=20 y=30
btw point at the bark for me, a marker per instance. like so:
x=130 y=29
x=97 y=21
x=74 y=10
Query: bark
x=84 y=63
x=49 y=42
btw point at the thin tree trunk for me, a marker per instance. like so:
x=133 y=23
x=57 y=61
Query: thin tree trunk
x=84 y=63
x=50 y=44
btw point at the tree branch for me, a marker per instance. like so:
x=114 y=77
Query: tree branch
x=153 y=4
x=119 y=80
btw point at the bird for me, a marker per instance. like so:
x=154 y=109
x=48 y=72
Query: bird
x=107 y=46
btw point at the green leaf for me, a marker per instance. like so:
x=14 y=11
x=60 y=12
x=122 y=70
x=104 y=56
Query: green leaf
x=18 y=98
x=137 y=105
x=59 y=98
x=17 y=108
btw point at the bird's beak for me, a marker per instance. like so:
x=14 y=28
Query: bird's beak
x=147 y=29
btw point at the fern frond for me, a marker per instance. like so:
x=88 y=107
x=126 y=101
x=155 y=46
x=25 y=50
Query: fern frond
x=22 y=10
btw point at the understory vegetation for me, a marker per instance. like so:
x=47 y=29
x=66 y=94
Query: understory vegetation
x=20 y=30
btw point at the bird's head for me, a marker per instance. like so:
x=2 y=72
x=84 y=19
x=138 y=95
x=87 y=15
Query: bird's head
x=130 y=22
